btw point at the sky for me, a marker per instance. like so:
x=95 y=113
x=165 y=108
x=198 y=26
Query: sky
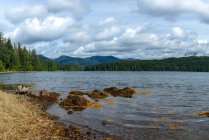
x=141 y=29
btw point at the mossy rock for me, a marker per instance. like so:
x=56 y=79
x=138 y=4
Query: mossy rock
x=78 y=93
x=126 y=92
x=202 y=114
x=97 y=94
x=75 y=102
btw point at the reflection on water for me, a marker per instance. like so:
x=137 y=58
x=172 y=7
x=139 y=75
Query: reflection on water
x=165 y=110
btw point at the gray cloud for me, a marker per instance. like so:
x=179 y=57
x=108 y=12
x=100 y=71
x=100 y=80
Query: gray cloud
x=19 y=14
x=170 y=9
x=77 y=8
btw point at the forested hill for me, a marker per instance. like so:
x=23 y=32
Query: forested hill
x=193 y=63
x=86 y=61
x=14 y=57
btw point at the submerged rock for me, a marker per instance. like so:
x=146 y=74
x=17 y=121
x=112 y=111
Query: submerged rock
x=126 y=92
x=75 y=102
x=202 y=114
x=70 y=112
x=97 y=94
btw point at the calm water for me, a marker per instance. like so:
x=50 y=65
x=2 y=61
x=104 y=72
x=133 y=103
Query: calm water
x=164 y=112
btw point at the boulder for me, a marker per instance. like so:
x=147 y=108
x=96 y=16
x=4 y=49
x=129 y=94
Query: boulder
x=34 y=93
x=75 y=102
x=97 y=94
x=126 y=92
x=51 y=96
x=22 y=89
x=78 y=93
x=44 y=94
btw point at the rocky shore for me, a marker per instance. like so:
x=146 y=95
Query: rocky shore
x=76 y=101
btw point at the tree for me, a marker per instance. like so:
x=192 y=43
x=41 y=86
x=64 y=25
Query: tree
x=1 y=66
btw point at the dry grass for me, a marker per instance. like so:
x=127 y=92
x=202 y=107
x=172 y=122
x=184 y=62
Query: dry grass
x=21 y=119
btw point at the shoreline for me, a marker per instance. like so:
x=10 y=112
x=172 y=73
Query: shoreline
x=55 y=129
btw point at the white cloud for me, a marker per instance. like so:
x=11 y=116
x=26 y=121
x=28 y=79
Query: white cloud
x=75 y=7
x=178 y=32
x=108 y=21
x=34 y=30
x=19 y=14
x=138 y=43
x=173 y=8
x=107 y=29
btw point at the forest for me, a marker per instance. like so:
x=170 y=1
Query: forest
x=192 y=63
x=14 y=57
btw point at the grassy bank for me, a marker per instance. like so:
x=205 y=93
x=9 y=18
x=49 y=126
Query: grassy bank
x=21 y=119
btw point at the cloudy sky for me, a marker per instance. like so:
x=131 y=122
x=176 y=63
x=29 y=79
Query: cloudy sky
x=144 y=29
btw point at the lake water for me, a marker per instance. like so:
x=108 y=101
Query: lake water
x=164 y=111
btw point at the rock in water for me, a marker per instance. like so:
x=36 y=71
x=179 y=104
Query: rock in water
x=126 y=92
x=78 y=93
x=51 y=96
x=70 y=112
x=75 y=102
x=202 y=114
x=97 y=94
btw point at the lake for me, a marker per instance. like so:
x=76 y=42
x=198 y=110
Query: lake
x=165 y=110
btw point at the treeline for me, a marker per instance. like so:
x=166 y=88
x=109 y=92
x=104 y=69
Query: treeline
x=14 y=57
x=193 y=63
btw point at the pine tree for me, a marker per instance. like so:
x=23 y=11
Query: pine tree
x=1 y=66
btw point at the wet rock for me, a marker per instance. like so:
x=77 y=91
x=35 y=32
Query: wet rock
x=202 y=114
x=51 y=96
x=22 y=89
x=34 y=93
x=91 y=133
x=75 y=102
x=88 y=133
x=14 y=88
x=126 y=92
x=70 y=112
x=78 y=93
x=44 y=94
x=106 y=122
x=97 y=94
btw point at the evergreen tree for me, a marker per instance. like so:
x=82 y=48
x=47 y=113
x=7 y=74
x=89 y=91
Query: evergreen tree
x=1 y=66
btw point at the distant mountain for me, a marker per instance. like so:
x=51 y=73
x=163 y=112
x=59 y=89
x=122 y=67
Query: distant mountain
x=94 y=60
